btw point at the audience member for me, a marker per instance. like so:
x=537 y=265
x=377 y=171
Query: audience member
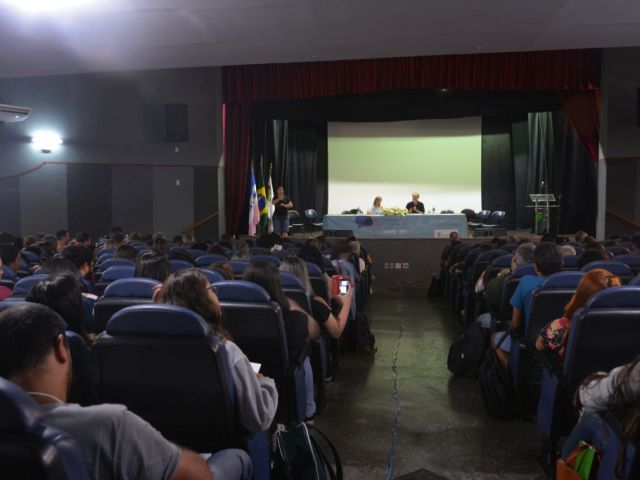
x=126 y=252
x=58 y=265
x=299 y=326
x=321 y=310
x=226 y=241
x=83 y=238
x=160 y=243
x=567 y=250
x=241 y=251
x=82 y=258
x=29 y=240
x=523 y=255
x=183 y=255
x=591 y=255
x=581 y=235
x=114 y=442
x=217 y=249
x=554 y=335
x=256 y=395
x=62 y=238
x=224 y=268
x=547 y=260
x=4 y=291
x=154 y=265
x=10 y=255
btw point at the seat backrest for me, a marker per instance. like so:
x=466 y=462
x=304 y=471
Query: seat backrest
x=633 y=260
x=604 y=334
x=609 y=440
x=239 y=266
x=30 y=257
x=22 y=286
x=294 y=290
x=497 y=264
x=548 y=302
x=275 y=261
x=617 y=268
x=117 y=272
x=165 y=365
x=131 y=288
x=28 y=449
x=209 y=259
x=483 y=261
x=211 y=275
x=570 y=262
x=293 y=215
x=195 y=253
x=617 y=250
x=497 y=217
x=635 y=281
x=259 y=251
x=177 y=265
x=483 y=215
x=310 y=213
x=115 y=262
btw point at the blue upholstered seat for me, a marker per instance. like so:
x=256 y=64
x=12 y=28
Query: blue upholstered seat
x=118 y=272
x=29 y=449
x=134 y=287
x=210 y=258
x=177 y=265
x=617 y=268
x=22 y=286
x=115 y=262
x=212 y=275
x=275 y=261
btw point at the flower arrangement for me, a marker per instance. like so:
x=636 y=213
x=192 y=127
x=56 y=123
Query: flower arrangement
x=394 y=211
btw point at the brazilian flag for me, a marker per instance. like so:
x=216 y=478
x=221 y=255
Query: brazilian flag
x=263 y=205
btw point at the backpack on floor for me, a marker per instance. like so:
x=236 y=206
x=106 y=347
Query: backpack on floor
x=498 y=393
x=466 y=353
x=298 y=454
x=362 y=339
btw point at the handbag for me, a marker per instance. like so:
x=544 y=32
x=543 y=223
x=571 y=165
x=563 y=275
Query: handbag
x=581 y=464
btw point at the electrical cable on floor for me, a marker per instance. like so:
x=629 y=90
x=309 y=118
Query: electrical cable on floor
x=396 y=398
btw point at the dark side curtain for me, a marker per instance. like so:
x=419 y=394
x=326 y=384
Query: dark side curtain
x=519 y=153
x=297 y=152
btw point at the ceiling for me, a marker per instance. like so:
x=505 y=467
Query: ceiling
x=112 y=35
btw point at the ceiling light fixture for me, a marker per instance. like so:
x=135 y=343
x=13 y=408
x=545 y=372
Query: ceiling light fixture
x=45 y=5
x=46 y=142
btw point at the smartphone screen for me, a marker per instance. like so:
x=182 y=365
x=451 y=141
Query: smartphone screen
x=344 y=287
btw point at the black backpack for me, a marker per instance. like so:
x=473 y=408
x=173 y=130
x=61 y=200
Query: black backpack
x=498 y=393
x=465 y=355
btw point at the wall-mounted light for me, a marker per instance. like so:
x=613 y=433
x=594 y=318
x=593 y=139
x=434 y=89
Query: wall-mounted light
x=46 y=142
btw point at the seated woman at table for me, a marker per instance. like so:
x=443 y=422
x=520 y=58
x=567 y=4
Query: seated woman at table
x=376 y=209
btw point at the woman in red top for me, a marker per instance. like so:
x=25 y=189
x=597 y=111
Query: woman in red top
x=555 y=334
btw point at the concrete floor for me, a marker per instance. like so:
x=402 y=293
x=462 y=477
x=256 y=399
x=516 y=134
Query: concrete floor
x=442 y=425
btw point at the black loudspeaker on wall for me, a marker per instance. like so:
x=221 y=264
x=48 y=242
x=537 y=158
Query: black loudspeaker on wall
x=177 y=122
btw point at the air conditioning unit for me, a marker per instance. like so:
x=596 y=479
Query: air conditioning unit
x=12 y=113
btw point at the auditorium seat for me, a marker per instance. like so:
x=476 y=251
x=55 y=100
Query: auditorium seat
x=115 y=262
x=30 y=449
x=471 y=305
x=24 y=285
x=295 y=222
x=273 y=260
x=547 y=303
x=618 y=250
x=256 y=326
x=570 y=262
x=618 y=269
x=112 y=274
x=495 y=220
x=209 y=259
x=603 y=335
x=294 y=290
x=259 y=251
x=481 y=217
x=31 y=257
x=103 y=257
x=162 y=362
x=120 y=294
x=238 y=266
x=282 y=254
x=177 y=265
x=318 y=281
x=212 y=275
x=509 y=287
x=497 y=264
x=195 y=252
x=632 y=260
x=609 y=443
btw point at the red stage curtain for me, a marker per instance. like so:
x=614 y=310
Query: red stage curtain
x=566 y=70
x=582 y=108
x=550 y=70
x=236 y=118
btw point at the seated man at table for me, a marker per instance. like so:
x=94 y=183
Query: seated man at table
x=415 y=206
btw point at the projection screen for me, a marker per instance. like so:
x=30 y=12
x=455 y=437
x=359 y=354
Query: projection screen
x=440 y=159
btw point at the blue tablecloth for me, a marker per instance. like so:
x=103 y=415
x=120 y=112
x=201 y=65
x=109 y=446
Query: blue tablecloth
x=392 y=226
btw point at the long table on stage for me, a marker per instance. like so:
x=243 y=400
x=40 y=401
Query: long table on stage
x=398 y=226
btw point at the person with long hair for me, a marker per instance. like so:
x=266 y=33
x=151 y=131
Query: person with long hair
x=555 y=334
x=376 y=208
x=256 y=394
x=299 y=326
x=321 y=311
x=154 y=265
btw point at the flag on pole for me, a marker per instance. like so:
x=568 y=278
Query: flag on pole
x=254 y=213
x=270 y=200
x=262 y=200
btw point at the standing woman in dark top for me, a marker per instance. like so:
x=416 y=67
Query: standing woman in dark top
x=282 y=205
